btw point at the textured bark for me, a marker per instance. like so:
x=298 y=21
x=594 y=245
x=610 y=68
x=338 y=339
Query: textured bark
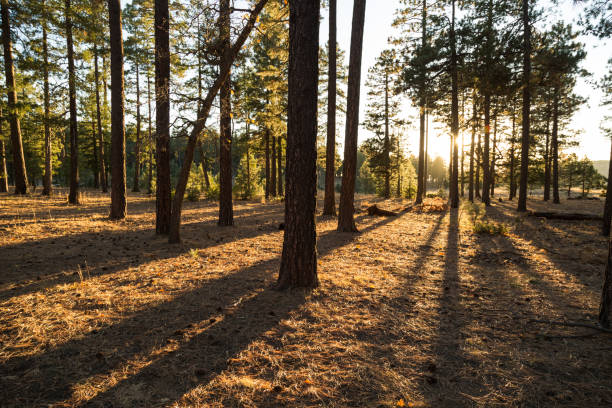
x=522 y=201
x=421 y=176
x=48 y=175
x=19 y=167
x=346 y=216
x=118 y=175
x=136 y=181
x=605 y=307
x=73 y=196
x=224 y=71
x=329 y=202
x=454 y=182
x=607 y=217
x=273 y=168
x=279 y=168
x=101 y=160
x=555 y=149
x=299 y=260
x=226 y=209
x=162 y=117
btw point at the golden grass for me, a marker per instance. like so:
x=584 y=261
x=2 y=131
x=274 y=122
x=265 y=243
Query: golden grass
x=416 y=311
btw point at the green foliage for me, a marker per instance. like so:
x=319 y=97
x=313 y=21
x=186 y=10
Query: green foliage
x=490 y=228
x=213 y=192
x=248 y=181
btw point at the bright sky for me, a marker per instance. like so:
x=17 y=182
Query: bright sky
x=379 y=16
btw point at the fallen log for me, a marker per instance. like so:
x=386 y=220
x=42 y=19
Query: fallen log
x=374 y=210
x=566 y=216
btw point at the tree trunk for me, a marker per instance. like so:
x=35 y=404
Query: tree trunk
x=162 y=117
x=346 y=220
x=299 y=259
x=3 y=172
x=478 y=165
x=273 y=168
x=73 y=196
x=555 y=150
x=48 y=176
x=454 y=182
x=204 y=162
x=136 y=182
x=472 y=148
x=421 y=181
x=279 y=158
x=329 y=203
x=19 y=167
x=224 y=71
x=522 y=201
x=547 y=154
x=486 y=172
x=118 y=177
x=150 y=119
x=387 y=191
x=607 y=217
x=494 y=152
x=226 y=209
x=512 y=186
x=94 y=140
x=103 y=180
x=605 y=307
x=268 y=178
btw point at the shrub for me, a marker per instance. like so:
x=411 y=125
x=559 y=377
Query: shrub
x=490 y=228
x=193 y=194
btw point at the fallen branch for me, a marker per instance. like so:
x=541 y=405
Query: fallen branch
x=565 y=216
x=374 y=210
x=572 y=324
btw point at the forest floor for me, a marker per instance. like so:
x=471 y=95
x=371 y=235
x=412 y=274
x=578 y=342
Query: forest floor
x=415 y=311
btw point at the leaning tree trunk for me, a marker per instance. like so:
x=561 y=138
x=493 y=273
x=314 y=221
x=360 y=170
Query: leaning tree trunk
x=101 y=161
x=118 y=177
x=299 y=260
x=346 y=217
x=162 y=117
x=522 y=201
x=136 y=181
x=19 y=167
x=273 y=168
x=555 y=150
x=421 y=176
x=73 y=196
x=226 y=210
x=454 y=182
x=48 y=176
x=329 y=202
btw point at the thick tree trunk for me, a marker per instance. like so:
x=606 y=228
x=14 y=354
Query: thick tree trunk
x=118 y=176
x=605 y=307
x=73 y=196
x=421 y=181
x=279 y=159
x=273 y=168
x=162 y=117
x=522 y=201
x=224 y=71
x=101 y=160
x=226 y=208
x=299 y=259
x=19 y=167
x=472 y=148
x=454 y=182
x=555 y=150
x=346 y=220
x=268 y=178
x=48 y=175
x=136 y=182
x=329 y=203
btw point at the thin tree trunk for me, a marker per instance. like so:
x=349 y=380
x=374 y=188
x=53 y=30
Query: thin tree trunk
x=454 y=182
x=118 y=176
x=162 y=116
x=346 y=220
x=279 y=158
x=329 y=203
x=48 y=176
x=3 y=172
x=299 y=259
x=204 y=162
x=150 y=119
x=96 y=168
x=387 y=191
x=73 y=196
x=512 y=153
x=273 y=168
x=267 y=143
x=522 y=202
x=472 y=148
x=486 y=172
x=494 y=152
x=427 y=158
x=555 y=150
x=226 y=209
x=136 y=182
x=103 y=180
x=224 y=71
x=478 y=164
x=607 y=217
x=462 y=127
x=19 y=167
x=421 y=182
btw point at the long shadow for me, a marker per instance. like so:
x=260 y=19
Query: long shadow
x=212 y=323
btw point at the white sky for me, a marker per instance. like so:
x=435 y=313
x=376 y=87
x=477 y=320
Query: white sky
x=380 y=15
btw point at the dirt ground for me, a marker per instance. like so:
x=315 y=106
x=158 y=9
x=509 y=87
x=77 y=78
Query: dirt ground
x=415 y=311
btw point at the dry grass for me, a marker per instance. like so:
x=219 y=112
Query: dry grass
x=417 y=310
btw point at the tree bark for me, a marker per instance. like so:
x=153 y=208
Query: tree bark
x=136 y=181
x=555 y=150
x=118 y=176
x=299 y=259
x=73 y=196
x=421 y=181
x=19 y=167
x=162 y=117
x=226 y=209
x=48 y=175
x=346 y=220
x=454 y=182
x=605 y=306
x=101 y=160
x=522 y=201
x=224 y=71
x=329 y=202
x=273 y=168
